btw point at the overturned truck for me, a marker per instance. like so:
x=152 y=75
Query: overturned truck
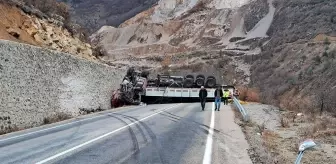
x=137 y=86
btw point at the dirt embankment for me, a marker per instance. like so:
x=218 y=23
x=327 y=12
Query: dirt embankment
x=274 y=135
x=18 y=26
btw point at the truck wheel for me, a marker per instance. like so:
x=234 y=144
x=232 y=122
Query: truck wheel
x=200 y=76
x=211 y=82
x=200 y=80
x=190 y=77
x=188 y=83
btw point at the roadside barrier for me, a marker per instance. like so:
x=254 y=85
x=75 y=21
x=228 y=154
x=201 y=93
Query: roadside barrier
x=306 y=145
x=241 y=109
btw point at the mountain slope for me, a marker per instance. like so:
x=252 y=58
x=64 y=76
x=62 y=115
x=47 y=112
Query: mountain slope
x=25 y=24
x=93 y=14
x=299 y=60
x=179 y=29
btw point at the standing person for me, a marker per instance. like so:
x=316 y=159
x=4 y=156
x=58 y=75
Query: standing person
x=226 y=96
x=218 y=97
x=203 y=93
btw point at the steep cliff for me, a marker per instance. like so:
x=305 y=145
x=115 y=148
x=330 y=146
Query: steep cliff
x=26 y=24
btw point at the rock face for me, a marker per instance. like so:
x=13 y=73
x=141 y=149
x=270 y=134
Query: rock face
x=18 y=26
x=37 y=83
x=169 y=24
x=94 y=14
x=176 y=27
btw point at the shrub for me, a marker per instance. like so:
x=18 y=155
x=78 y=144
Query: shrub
x=249 y=94
x=284 y=122
x=156 y=58
x=59 y=116
x=8 y=129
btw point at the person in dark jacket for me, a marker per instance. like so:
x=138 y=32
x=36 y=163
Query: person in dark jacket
x=218 y=97
x=203 y=93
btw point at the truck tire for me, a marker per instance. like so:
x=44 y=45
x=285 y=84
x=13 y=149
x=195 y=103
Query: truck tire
x=200 y=76
x=211 y=82
x=188 y=83
x=190 y=77
x=200 y=80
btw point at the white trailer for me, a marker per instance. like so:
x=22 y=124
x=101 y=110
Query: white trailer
x=181 y=92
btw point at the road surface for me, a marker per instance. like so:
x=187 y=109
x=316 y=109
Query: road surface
x=161 y=133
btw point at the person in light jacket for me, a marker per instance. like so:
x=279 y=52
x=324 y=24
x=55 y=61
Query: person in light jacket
x=226 y=96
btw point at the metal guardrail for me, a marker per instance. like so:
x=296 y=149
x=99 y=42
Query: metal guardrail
x=299 y=157
x=306 y=145
x=241 y=109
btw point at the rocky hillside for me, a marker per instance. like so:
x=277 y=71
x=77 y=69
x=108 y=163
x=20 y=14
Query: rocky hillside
x=284 y=48
x=26 y=24
x=299 y=59
x=93 y=14
x=198 y=35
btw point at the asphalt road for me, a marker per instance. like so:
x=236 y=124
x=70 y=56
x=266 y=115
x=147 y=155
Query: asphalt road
x=165 y=133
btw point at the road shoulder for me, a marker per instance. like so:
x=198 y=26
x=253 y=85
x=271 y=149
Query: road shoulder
x=230 y=145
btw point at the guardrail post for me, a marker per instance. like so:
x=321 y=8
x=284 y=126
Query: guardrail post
x=241 y=108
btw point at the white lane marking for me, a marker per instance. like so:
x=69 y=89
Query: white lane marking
x=101 y=137
x=208 y=147
x=54 y=127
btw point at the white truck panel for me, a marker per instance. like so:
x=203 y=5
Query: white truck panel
x=178 y=92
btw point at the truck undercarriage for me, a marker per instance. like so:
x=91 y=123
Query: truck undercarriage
x=137 y=87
